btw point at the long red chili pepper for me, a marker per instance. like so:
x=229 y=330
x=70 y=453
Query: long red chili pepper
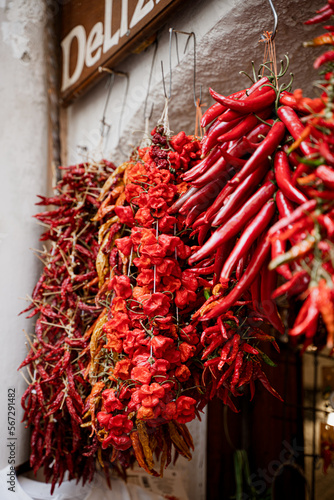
x=265 y=149
x=296 y=285
x=201 y=167
x=249 y=235
x=179 y=202
x=248 y=277
x=219 y=168
x=236 y=163
x=221 y=255
x=251 y=104
x=217 y=109
x=296 y=252
x=307 y=315
x=297 y=230
x=240 y=194
x=255 y=291
x=237 y=149
x=315 y=193
x=244 y=127
x=283 y=178
x=206 y=193
x=326 y=221
x=326 y=174
x=322 y=16
x=326 y=153
x=260 y=131
x=269 y=308
x=233 y=226
x=304 y=106
x=278 y=247
x=255 y=89
x=260 y=375
x=292 y=122
x=210 y=114
x=296 y=214
x=300 y=170
x=209 y=141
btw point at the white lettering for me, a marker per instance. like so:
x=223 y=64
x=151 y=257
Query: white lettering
x=124 y=18
x=109 y=39
x=94 y=42
x=80 y=34
x=141 y=11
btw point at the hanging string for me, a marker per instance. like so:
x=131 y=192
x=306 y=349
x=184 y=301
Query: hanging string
x=270 y=48
x=199 y=131
x=269 y=56
x=164 y=120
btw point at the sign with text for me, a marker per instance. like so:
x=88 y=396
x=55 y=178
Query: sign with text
x=102 y=33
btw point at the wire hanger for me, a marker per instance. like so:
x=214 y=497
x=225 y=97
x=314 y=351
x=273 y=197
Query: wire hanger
x=190 y=35
x=147 y=116
x=149 y=82
x=273 y=33
x=197 y=101
x=193 y=36
x=105 y=127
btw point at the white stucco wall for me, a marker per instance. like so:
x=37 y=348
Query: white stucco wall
x=23 y=163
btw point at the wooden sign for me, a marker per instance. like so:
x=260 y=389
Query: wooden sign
x=101 y=33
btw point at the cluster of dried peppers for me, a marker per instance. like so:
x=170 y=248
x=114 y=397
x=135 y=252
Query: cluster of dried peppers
x=310 y=227
x=121 y=358
x=262 y=204
x=64 y=302
x=143 y=371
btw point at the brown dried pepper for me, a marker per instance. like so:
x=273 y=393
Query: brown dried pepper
x=138 y=451
x=145 y=442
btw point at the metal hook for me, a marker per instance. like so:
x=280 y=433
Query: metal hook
x=190 y=35
x=275 y=21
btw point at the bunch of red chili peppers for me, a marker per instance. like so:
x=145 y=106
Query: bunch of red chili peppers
x=250 y=168
x=64 y=302
x=143 y=349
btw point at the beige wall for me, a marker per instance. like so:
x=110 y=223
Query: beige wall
x=23 y=163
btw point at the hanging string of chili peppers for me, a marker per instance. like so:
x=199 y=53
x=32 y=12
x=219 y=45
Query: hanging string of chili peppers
x=141 y=356
x=63 y=301
x=249 y=141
